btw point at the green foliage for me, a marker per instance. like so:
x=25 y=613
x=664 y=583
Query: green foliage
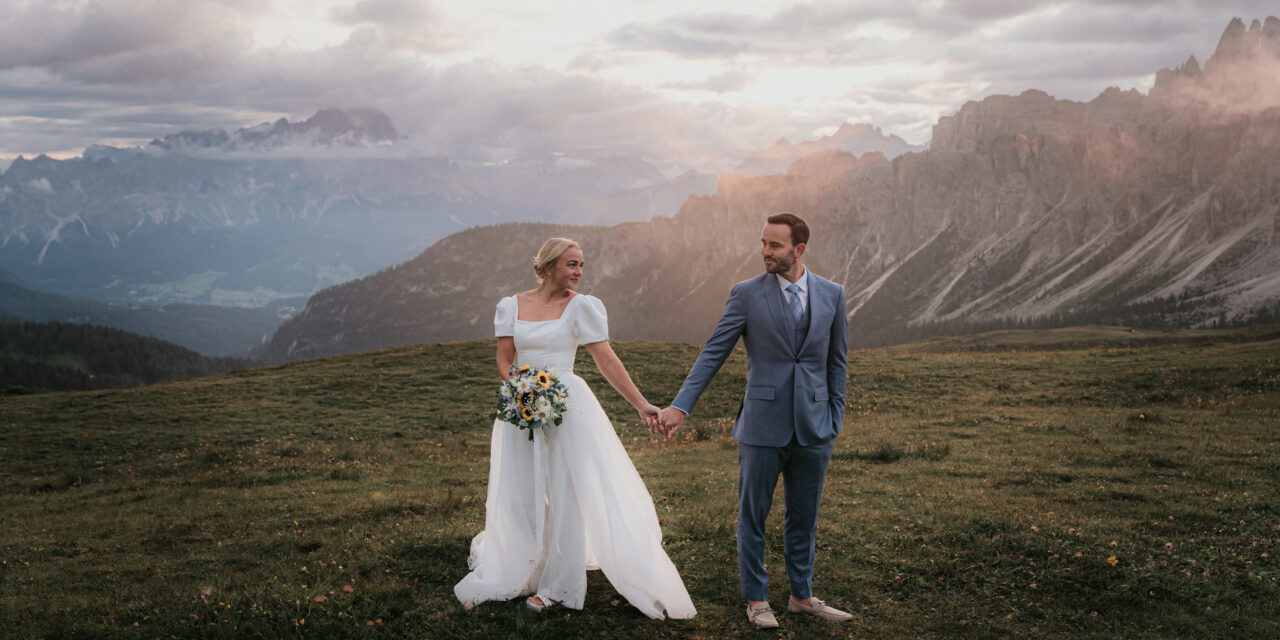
x=58 y=356
x=1114 y=491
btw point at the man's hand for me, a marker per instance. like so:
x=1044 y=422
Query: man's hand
x=672 y=419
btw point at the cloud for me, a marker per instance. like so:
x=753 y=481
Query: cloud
x=99 y=39
x=986 y=9
x=42 y=185
x=384 y=12
x=399 y=24
x=796 y=30
x=1115 y=24
x=528 y=111
x=74 y=73
x=729 y=81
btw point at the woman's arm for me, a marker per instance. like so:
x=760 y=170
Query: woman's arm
x=611 y=368
x=506 y=355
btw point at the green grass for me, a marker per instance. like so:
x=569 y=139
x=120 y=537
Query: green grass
x=1082 y=337
x=1118 y=491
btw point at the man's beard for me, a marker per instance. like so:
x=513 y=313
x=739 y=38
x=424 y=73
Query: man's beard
x=779 y=265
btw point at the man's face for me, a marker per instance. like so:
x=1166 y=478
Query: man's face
x=776 y=248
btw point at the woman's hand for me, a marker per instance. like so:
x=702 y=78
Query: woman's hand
x=649 y=415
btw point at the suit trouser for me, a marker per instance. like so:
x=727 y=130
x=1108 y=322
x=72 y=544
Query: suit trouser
x=803 y=470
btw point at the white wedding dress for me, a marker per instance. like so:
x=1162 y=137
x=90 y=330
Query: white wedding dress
x=571 y=500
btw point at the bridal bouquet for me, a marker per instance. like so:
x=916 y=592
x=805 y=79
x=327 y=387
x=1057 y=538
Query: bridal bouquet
x=531 y=399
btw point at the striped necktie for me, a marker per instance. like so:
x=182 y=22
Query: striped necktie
x=794 y=301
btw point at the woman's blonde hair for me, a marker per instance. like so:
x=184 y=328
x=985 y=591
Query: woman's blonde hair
x=548 y=255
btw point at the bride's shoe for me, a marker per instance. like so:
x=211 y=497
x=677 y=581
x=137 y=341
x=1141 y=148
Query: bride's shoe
x=539 y=602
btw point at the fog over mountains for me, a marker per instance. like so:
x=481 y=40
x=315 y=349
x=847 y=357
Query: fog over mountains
x=263 y=215
x=1158 y=208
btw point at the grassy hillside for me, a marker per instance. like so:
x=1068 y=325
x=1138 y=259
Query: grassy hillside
x=1096 y=493
x=60 y=356
x=1085 y=337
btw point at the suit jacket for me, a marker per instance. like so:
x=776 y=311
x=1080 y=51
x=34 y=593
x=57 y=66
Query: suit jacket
x=792 y=390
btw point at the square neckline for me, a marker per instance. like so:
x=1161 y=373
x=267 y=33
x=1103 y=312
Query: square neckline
x=563 y=312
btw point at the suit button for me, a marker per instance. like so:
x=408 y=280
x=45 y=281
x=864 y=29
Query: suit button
x=797 y=360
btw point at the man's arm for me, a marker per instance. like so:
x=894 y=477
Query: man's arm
x=838 y=363
x=712 y=357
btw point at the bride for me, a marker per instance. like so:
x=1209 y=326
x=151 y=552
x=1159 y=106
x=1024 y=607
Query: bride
x=571 y=500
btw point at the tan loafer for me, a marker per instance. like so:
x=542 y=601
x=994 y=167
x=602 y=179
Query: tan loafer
x=762 y=616
x=818 y=608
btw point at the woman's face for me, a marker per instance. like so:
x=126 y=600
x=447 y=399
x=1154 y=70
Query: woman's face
x=567 y=270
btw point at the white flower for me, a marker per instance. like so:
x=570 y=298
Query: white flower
x=543 y=405
x=523 y=385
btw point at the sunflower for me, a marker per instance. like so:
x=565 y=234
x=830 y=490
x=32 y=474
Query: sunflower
x=527 y=401
x=525 y=367
x=544 y=379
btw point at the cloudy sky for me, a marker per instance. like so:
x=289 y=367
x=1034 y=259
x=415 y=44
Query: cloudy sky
x=698 y=83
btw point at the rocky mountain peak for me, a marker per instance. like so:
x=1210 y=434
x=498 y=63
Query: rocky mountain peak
x=22 y=169
x=1167 y=77
x=1237 y=79
x=1241 y=45
x=327 y=128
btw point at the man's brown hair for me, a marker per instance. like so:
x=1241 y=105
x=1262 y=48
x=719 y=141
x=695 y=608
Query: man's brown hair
x=799 y=228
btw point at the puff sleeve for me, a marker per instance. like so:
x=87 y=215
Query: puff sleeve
x=591 y=323
x=504 y=319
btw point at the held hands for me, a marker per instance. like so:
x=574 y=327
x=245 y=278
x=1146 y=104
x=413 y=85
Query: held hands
x=649 y=416
x=665 y=422
x=671 y=419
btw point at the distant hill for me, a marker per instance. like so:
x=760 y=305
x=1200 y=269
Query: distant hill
x=207 y=329
x=58 y=356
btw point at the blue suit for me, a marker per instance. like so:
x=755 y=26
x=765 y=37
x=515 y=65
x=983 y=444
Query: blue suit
x=791 y=413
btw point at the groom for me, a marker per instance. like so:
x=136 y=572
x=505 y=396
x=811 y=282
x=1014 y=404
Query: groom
x=796 y=333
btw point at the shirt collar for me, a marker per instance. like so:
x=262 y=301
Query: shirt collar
x=803 y=282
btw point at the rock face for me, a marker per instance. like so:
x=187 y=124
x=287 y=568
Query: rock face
x=1158 y=208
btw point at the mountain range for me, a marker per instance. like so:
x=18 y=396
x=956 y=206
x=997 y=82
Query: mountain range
x=1157 y=208
x=227 y=229
x=275 y=211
